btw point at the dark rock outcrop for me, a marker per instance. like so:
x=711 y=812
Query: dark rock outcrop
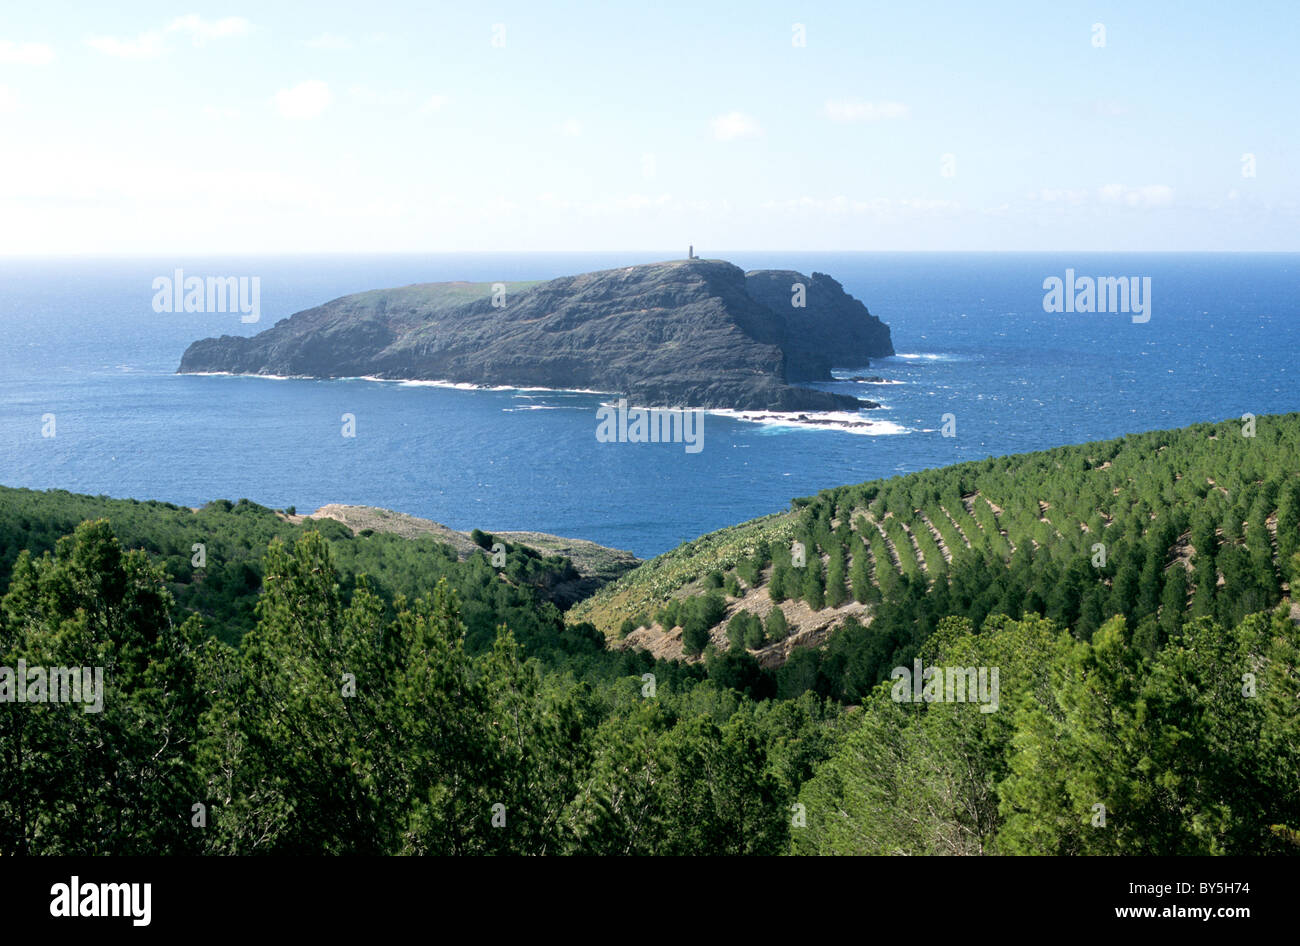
x=689 y=333
x=833 y=330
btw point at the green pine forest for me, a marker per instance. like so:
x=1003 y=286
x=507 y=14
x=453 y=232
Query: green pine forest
x=308 y=690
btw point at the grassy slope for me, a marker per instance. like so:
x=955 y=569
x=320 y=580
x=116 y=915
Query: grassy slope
x=600 y=562
x=444 y=294
x=649 y=585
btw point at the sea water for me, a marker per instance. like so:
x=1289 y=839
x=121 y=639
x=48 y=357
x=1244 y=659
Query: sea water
x=978 y=356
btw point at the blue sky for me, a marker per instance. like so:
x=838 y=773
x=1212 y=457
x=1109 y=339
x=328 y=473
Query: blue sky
x=385 y=127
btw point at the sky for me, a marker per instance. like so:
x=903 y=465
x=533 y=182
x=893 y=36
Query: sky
x=145 y=128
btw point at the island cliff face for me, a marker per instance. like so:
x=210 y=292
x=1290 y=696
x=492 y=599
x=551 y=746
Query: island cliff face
x=689 y=333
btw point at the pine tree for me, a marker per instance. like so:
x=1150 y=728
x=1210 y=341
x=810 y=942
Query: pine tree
x=859 y=573
x=813 y=590
x=114 y=772
x=836 y=594
x=775 y=625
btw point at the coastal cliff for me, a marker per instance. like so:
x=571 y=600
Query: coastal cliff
x=688 y=333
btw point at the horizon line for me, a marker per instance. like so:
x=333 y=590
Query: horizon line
x=656 y=253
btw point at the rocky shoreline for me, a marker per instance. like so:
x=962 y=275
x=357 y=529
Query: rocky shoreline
x=696 y=332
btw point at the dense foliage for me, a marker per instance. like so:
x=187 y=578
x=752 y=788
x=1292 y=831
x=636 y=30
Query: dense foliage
x=308 y=690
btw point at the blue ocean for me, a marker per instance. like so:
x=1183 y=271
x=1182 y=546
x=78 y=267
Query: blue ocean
x=79 y=339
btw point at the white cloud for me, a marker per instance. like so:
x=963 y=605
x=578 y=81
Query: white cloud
x=305 y=100
x=147 y=182
x=434 y=103
x=1152 y=195
x=201 y=30
x=378 y=98
x=328 y=41
x=8 y=101
x=24 y=54
x=153 y=43
x=145 y=46
x=735 y=125
x=841 y=205
x=618 y=204
x=571 y=127
x=635 y=202
x=1061 y=195
x=614 y=204
x=843 y=110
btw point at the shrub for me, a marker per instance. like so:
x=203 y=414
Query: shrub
x=776 y=626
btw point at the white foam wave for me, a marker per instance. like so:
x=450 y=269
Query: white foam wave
x=403 y=382
x=845 y=421
x=451 y=385
x=882 y=381
x=915 y=357
x=244 y=374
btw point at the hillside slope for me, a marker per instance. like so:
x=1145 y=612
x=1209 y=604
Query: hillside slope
x=214 y=556
x=1199 y=521
x=594 y=565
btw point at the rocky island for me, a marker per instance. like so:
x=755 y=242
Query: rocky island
x=687 y=333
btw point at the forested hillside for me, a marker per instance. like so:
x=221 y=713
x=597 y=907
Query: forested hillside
x=1160 y=527
x=312 y=690
x=212 y=559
